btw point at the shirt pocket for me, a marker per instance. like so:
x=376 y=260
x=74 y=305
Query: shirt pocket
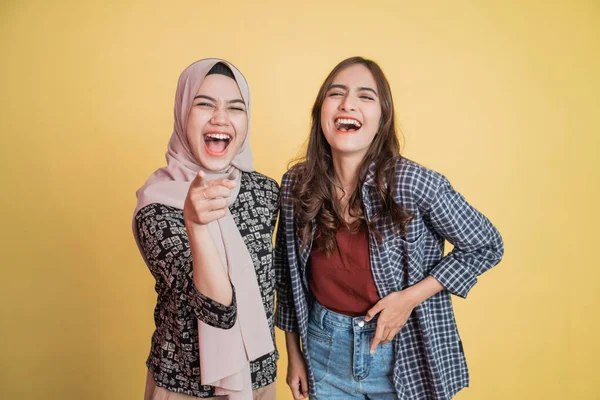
x=402 y=263
x=411 y=259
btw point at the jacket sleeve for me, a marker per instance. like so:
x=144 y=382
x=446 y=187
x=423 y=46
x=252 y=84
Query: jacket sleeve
x=164 y=243
x=285 y=313
x=477 y=243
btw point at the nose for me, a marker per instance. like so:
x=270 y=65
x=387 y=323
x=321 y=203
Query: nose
x=347 y=104
x=219 y=117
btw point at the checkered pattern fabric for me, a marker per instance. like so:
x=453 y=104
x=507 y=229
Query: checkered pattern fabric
x=430 y=363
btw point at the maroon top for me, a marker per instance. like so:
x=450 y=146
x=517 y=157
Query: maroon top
x=344 y=282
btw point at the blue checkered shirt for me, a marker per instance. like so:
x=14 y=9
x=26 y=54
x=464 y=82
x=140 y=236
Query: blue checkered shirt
x=429 y=363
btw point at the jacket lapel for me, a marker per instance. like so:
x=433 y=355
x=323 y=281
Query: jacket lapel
x=304 y=253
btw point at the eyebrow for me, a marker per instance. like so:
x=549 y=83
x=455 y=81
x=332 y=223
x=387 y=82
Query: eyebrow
x=360 y=89
x=202 y=96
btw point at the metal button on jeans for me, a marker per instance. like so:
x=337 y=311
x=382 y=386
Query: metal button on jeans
x=361 y=323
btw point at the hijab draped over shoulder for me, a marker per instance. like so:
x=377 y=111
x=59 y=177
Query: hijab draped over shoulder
x=224 y=353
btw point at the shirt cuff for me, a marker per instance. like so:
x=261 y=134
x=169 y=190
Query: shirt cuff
x=456 y=277
x=211 y=312
x=285 y=318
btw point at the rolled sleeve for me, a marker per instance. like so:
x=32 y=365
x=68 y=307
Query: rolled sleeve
x=455 y=276
x=210 y=311
x=285 y=318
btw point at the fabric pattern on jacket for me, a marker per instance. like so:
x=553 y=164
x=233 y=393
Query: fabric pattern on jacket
x=430 y=363
x=174 y=359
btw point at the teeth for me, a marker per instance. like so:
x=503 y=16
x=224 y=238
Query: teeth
x=218 y=136
x=347 y=121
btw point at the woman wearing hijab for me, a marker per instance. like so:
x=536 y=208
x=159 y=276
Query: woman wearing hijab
x=204 y=225
x=363 y=282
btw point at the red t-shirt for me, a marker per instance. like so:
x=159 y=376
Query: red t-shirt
x=344 y=282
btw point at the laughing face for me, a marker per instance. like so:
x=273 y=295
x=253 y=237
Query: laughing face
x=217 y=123
x=351 y=111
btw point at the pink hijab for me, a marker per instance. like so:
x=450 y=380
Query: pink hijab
x=224 y=353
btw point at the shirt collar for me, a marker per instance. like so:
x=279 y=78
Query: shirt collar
x=370 y=177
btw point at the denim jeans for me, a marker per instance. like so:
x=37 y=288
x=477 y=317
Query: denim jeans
x=343 y=368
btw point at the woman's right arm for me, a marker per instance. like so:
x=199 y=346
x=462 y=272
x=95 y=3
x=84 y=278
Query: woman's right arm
x=199 y=281
x=297 y=375
x=285 y=313
x=203 y=204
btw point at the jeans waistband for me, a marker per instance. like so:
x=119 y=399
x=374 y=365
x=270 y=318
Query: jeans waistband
x=324 y=316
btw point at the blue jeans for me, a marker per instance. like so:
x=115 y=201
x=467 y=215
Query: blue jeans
x=343 y=368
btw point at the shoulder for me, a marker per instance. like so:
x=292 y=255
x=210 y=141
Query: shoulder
x=261 y=187
x=417 y=183
x=292 y=175
x=256 y=179
x=413 y=174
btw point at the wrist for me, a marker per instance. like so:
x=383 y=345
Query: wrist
x=295 y=357
x=194 y=229
x=414 y=296
x=423 y=290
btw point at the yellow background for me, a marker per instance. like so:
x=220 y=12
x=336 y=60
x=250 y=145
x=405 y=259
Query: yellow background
x=502 y=97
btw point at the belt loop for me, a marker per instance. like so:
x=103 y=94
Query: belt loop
x=321 y=314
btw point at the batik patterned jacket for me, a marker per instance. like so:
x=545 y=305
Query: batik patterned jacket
x=174 y=360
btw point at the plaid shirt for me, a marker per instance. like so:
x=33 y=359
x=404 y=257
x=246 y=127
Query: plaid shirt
x=430 y=363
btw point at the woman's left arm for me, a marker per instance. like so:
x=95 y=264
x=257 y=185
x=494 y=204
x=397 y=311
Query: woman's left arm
x=478 y=247
x=477 y=243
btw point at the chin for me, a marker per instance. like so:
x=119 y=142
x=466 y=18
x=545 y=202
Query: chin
x=346 y=148
x=215 y=164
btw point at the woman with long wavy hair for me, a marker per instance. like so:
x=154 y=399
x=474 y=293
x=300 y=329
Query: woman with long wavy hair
x=363 y=286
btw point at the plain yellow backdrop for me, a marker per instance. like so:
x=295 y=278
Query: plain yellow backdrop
x=502 y=97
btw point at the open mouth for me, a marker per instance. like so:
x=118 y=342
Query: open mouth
x=216 y=143
x=347 y=124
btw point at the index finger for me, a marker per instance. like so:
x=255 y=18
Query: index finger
x=228 y=183
x=374 y=311
x=377 y=338
x=200 y=179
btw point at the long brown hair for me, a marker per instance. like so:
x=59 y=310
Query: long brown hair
x=315 y=183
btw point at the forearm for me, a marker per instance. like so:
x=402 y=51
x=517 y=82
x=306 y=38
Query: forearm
x=423 y=290
x=292 y=344
x=210 y=277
